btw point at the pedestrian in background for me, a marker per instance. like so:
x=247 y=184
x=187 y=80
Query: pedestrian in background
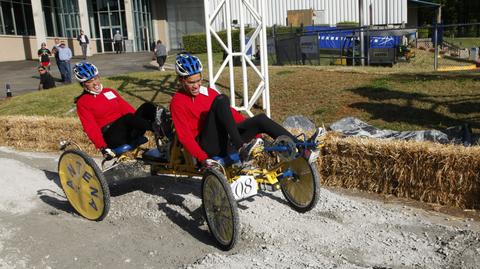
x=57 y=61
x=161 y=54
x=83 y=41
x=64 y=57
x=44 y=56
x=46 y=80
x=118 y=38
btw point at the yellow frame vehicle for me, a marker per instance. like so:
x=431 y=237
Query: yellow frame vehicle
x=281 y=164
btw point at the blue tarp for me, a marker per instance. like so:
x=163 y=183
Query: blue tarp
x=332 y=38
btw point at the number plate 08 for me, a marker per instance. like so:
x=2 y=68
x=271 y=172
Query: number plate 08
x=244 y=187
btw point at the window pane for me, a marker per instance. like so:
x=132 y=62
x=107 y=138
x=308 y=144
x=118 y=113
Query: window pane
x=17 y=11
x=47 y=11
x=102 y=5
x=67 y=21
x=29 y=19
x=115 y=18
x=104 y=19
x=58 y=18
x=113 y=4
x=95 y=31
x=7 y=18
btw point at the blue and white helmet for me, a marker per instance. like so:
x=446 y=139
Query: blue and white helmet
x=187 y=65
x=85 y=71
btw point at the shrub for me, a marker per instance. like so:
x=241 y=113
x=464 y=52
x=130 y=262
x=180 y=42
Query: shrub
x=197 y=43
x=423 y=33
x=347 y=24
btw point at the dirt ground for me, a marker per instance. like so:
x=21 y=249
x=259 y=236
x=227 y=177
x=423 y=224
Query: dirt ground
x=155 y=222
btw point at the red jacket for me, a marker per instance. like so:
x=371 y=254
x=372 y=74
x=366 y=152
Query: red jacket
x=96 y=111
x=188 y=115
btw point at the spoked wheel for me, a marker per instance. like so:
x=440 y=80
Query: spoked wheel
x=302 y=189
x=84 y=185
x=220 y=209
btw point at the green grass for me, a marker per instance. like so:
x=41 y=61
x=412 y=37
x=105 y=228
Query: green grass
x=465 y=42
x=392 y=99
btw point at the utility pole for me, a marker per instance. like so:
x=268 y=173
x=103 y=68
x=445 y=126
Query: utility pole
x=436 y=39
x=362 y=34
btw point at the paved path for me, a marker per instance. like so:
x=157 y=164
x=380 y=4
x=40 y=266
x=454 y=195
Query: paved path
x=23 y=76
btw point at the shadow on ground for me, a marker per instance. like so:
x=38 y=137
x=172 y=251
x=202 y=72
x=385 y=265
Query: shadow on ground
x=167 y=187
x=437 y=110
x=137 y=87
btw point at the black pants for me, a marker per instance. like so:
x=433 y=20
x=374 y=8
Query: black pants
x=118 y=46
x=161 y=61
x=130 y=127
x=220 y=134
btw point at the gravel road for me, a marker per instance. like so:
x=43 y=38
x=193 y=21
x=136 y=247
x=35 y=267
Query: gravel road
x=156 y=222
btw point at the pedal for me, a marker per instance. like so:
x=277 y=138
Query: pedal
x=269 y=187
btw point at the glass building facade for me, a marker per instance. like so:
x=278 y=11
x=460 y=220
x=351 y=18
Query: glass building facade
x=16 y=18
x=142 y=20
x=61 y=18
x=106 y=17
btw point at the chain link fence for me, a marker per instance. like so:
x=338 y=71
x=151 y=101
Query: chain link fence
x=439 y=47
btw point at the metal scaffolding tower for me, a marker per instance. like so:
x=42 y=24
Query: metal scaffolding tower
x=212 y=10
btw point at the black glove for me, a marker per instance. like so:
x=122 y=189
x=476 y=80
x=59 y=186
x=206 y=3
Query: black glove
x=108 y=154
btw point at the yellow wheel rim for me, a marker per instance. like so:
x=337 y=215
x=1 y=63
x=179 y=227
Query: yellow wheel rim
x=218 y=211
x=81 y=185
x=300 y=188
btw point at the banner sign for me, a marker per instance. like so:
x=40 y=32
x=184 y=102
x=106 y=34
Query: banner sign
x=384 y=42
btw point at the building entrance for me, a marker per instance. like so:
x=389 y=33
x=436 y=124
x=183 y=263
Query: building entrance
x=108 y=18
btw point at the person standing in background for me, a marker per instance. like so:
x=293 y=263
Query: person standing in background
x=44 y=56
x=83 y=41
x=161 y=54
x=64 y=57
x=118 y=38
x=55 y=52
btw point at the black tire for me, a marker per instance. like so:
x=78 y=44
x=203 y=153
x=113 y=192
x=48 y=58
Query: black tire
x=84 y=185
x=220 y=209
x=303 y=189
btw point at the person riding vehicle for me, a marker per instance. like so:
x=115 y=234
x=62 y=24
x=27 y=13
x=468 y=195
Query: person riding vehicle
x=205 y=123
x=108 y=120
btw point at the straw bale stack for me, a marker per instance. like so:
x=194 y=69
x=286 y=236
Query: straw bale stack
x=429 y=172
x=424 y=171
x=41 y=133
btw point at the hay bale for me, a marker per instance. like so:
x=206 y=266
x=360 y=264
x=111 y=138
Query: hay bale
x=42 y=133
x=424 y=171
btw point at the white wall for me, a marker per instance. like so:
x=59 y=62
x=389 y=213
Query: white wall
x=383 y=11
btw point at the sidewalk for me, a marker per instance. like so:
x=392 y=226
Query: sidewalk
x=23 y=76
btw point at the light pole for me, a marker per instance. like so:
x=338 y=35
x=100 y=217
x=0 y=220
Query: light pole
x=362 y=34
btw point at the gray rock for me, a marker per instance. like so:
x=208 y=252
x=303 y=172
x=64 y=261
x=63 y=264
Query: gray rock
x=299 y=122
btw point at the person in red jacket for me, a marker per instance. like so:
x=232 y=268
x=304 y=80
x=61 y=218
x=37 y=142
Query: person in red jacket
x=108 y=120
x=205 y=123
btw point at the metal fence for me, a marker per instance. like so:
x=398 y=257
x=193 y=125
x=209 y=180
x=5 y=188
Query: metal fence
x=439 y=47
